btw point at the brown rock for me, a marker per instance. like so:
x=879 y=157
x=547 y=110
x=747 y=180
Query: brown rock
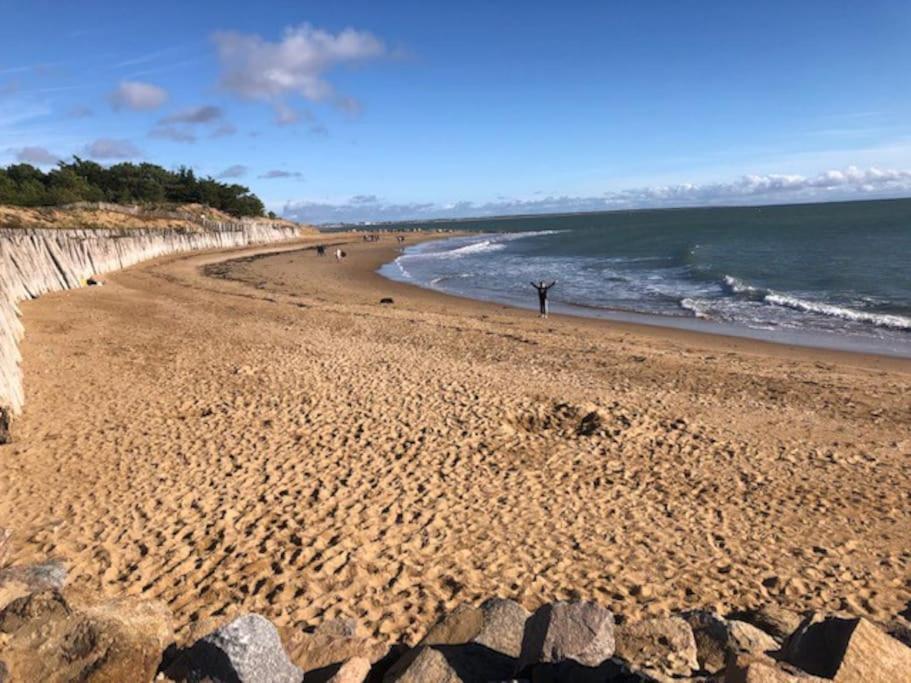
x=749 y=669
x=5 y=435
x=718 y=640
x=746 y=638
x=332 y=642
x=452 y=664
x=664 y=645
x=848 y=651
x=498 y=624
x=20 y=580
x=777 y=621
x=579 y=631
x=354 y=670
x=47 y=640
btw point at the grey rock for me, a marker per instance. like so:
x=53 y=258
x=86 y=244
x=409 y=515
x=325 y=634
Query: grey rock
x=579 y=631
x=247 y=650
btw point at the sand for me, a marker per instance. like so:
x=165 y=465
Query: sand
x=280 y=442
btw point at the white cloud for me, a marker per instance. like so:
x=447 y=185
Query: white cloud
x=138 y=96
x=849 y=183
x=38 y=156
x=107 y=148
x=255 y=68
x=236 y=171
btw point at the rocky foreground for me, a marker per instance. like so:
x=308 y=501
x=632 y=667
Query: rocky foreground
x=48 y=635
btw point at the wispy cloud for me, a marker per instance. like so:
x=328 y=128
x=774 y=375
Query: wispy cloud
x=275 y=174
x=202 y=114
x=172 y=133
x=255 y=68
x=224 y=130
x=38 y=156
x=79 y=112
x=107 y=148
x=851 y=182
x=236 y=171
x=137 y=96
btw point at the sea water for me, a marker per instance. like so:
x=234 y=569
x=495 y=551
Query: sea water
x=832 y=275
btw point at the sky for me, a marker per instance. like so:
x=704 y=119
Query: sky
x=360 y=111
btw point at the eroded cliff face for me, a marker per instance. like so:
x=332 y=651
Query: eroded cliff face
x=35 y=261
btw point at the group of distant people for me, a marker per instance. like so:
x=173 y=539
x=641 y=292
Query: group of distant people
x=542 y=287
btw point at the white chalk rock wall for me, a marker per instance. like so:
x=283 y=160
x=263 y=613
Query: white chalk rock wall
x=33 y=262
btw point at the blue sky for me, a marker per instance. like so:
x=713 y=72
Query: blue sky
x=367 y=110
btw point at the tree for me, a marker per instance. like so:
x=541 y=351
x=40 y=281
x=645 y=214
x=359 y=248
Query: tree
x=125 y=183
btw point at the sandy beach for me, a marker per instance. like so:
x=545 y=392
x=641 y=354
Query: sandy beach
x=262 y=435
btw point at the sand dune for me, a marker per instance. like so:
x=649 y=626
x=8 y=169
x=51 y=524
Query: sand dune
x=279 y=442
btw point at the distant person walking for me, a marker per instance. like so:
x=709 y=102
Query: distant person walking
x=542 y=295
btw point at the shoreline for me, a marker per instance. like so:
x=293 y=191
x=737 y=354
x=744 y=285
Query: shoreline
x=806 y=339
x=383 y=253
x=290 y=446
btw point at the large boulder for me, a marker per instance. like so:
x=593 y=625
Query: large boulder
x=246 y=650
x=666 y=646
x=847 y=650
x=46 y=639
x=579 y=631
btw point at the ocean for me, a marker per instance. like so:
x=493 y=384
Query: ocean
x=834 y=275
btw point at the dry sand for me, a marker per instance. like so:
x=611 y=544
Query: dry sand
x=281 y=443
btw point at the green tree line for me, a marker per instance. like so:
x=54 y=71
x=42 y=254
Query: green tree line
x=126 y=183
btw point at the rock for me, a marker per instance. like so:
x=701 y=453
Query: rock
x=718 y=639
x=498 y=624
x=354 y=670
x=750 y=669
x=773 y=619
x=387 y=300
x=612 y=671
x=20 y=580
x=578 y=631
x=5 y=536
x=246 y=650
x=48 y=640
x=746 y=638
x=711 y=635
x=332 y=642
x=94 y=281
x=664 y=645
x=452 y=664
x=847 y=650
x=31 y=607
x=5 y=436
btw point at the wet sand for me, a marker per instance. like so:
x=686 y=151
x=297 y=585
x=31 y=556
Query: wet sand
x=268 y=437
